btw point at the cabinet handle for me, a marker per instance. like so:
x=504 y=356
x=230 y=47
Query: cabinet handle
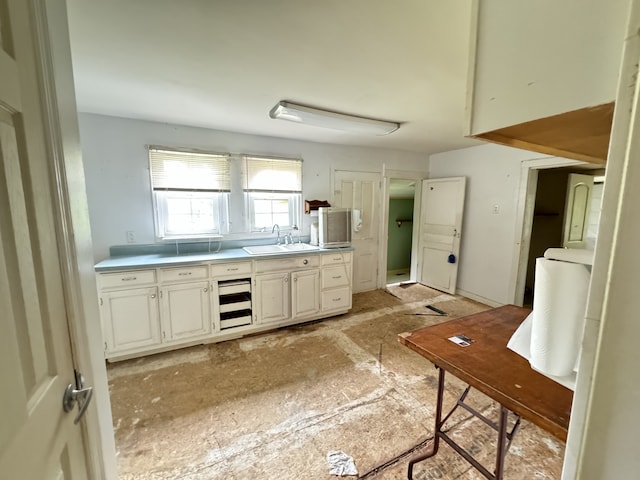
x=286 y=279
x=232 y=269
x=153 y=295
x=337 y=277
x=337 y=299
x=128 y=279
x=184 y=274
x=205 y=290
x=305 y=261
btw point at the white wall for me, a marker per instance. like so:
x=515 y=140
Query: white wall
x=117 y=175
x=488 y=239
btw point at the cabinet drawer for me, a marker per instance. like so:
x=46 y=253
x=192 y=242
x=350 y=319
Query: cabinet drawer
x=335 y=258
x=336 y=299
x=335 y=277
x=235 y=321
x=285 y=264
x=225 y=269
x=180 y=274
x=127 y=279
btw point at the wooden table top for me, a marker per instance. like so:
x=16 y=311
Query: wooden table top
x=489 y=366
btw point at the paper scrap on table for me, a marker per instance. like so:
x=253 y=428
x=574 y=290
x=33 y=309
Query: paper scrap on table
x=461 y=340
x=341 y=464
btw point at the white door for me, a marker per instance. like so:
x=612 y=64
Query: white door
x=361 y=192
x=37 y=439
x=440 y=232
x=576 y=212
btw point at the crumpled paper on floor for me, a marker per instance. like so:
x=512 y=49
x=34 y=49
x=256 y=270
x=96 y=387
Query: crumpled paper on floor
x=341 y=464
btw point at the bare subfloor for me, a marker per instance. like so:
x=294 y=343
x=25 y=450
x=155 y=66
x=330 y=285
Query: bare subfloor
x=272 y=406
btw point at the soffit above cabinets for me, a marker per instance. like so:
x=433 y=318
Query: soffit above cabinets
x=580 y=134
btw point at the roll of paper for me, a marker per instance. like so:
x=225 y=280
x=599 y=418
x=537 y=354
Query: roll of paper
x=559 y=304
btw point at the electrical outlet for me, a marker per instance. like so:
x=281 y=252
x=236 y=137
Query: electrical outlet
x=496 y=209
x=131 y=236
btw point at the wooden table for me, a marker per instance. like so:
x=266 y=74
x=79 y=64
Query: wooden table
x=490 y=367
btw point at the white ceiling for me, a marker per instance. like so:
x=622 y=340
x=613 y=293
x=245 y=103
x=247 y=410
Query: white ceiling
x=223 y=64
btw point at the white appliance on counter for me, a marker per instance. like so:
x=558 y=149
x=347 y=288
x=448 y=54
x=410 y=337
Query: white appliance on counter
x=334 y=227
x=551 y=336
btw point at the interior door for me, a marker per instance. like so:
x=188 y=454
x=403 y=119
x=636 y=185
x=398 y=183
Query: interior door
x=576 y=212
x=37 y=439
x=361 y=191
x=440 y=232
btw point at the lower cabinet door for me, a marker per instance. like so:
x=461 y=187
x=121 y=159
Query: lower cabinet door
x=272 y=298
x=186 y=311
x=305 y=293
x=130 y=319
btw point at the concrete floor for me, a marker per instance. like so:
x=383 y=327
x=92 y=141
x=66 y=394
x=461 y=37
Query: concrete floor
x=271 y=406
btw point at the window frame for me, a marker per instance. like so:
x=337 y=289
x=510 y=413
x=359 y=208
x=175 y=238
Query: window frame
x=158 y=156
x=290 y=190
x=234 y=205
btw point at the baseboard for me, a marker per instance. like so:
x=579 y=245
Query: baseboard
x=478 y=298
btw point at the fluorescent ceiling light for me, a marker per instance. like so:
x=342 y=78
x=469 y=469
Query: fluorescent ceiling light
x=337 y=121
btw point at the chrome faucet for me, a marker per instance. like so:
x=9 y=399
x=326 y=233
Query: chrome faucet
x=295 y=227
x=276 y=227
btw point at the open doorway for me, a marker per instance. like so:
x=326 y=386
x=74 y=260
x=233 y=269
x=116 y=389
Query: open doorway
x=547 y=201
x=402 y=193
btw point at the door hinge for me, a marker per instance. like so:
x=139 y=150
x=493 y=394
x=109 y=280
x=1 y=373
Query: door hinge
x=101 y=302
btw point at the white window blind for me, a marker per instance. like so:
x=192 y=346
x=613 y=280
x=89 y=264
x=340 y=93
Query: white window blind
x=178 y=170
x=265 y=174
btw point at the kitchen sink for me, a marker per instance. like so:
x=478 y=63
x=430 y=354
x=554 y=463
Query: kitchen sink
x=296 y=247
x=273 y=249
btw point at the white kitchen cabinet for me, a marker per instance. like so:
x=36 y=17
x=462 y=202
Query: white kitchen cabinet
x=130 y=320
x=305 y=293
x=336 y=285
x=152 y=310
x=273 y=297
x=186 y=311
x=291 y=293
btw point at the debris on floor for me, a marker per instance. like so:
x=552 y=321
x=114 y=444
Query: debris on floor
x=437 y=310
x=341 y=464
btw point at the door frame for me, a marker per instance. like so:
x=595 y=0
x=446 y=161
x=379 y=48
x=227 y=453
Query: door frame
x=73 y=232
x=387 y=175
x=524 y=218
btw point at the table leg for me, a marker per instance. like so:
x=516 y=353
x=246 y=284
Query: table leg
x=438 y=426
x=502 y=439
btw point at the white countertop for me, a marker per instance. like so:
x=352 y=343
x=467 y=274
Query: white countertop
x=172 y=260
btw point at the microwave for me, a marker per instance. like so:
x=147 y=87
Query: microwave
x=334 y=227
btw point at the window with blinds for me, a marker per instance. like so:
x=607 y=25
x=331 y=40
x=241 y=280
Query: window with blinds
x=190 y=192
x=273 y=192
x=200 y=194
x=193 y=171
x=273 y=175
